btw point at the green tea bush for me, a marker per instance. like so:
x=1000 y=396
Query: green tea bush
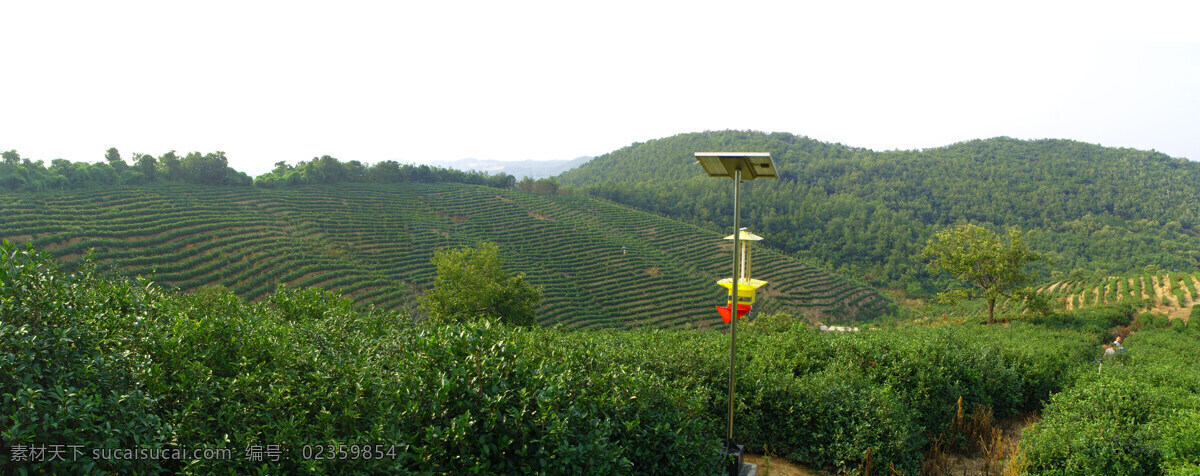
x=1136 y=416
x=117 y=364
x=65 y=376
x=302 y=367
x=826 y=399
x=1181 y=443
x=1096 y=321
x=1162 y=321
x=1103 y=428
x=1144 y=320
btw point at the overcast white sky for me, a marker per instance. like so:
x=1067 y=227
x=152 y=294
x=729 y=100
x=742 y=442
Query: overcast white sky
x=425 y=80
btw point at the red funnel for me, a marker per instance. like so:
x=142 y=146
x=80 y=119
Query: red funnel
x=743 y=309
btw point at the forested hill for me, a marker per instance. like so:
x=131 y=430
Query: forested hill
x=1093 y=209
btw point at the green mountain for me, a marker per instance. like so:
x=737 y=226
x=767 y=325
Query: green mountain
x=600 y=264
x=1093 y=210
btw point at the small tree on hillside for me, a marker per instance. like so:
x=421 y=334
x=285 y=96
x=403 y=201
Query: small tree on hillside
x=470 y=283
x=976 y=255
x=113 y=156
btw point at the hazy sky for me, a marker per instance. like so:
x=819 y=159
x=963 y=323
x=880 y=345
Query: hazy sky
x=425 y=80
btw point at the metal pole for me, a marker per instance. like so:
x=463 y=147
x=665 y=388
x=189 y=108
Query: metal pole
x=737 y=181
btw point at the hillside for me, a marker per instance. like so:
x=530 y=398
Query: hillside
x=1172 y=295
x=601 y=264
x=1093 y=209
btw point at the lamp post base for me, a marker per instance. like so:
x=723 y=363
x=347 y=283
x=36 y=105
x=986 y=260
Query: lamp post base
x=733 y=455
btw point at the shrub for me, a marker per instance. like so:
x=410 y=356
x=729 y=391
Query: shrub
x=1100 y=428
x=65 y=376
x=302 y=367
x=471 y=283
x=1138 y=416
x=1145 y=319
x=117 y=364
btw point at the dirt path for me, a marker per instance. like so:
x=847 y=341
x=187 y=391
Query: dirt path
x=1161 y=285
x=776 y=466
x=1000 y=450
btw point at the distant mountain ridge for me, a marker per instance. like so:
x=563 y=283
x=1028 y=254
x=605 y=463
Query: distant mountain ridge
x=1092 y=209
x=517 y=168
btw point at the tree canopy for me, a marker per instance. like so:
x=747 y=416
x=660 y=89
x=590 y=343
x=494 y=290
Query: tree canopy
x=17 y=174
x=978 y=256
x=868 y=213
x=471 y=284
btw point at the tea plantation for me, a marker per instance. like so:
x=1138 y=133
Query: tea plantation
x=601 y=265
x=307 y=383
x=1164 y=289
x=1137 y=412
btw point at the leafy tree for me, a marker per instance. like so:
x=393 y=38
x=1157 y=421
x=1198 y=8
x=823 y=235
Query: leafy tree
x=470 y=283
x=977 y=255
x=147 y=165
x=11 y=157
x=172 y=168
x=114 y=158
x=547 y=186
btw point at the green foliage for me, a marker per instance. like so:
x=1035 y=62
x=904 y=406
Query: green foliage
x=1135 y=416
x=329 y=170
x=302 y=367
x=66 y=373
x=120 y=364
x=64 y=175
x=599 y=264
x=870 y=212
x=543 y=186
x=974 y=254
x=1145 y=319
x=471 y=284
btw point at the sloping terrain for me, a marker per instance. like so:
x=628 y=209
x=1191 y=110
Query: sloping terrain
x=1088 y=207
x=1170 y=294
x=600 y=264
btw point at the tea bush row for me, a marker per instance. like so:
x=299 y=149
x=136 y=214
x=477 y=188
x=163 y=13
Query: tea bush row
x=302 y=367
x=826 y=399
x=1135 y=413
x=123 y=364
x=193 y=235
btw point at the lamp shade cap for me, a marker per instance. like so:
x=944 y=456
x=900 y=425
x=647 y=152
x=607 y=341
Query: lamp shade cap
x=745 y=236
x=723 y=164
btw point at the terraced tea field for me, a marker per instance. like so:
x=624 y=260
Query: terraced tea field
x=600 y=264
x=1170 y=294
